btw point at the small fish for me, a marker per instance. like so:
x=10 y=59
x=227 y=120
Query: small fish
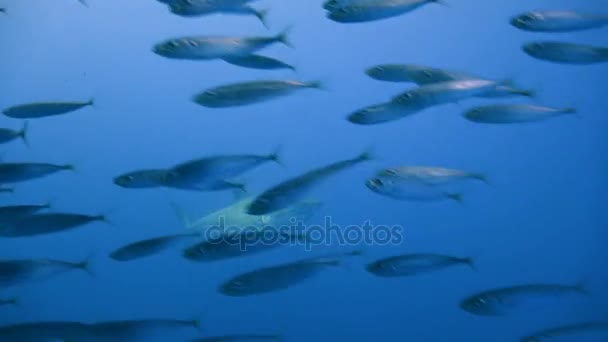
x=288 y=192
x=375 y=10
x=44 y=109
x=514 y=113
x=242 y=244
x=8 y=301
x=149 y=247
x=19 y=271
x=214 y=47
x=197 y=8
x=507 y=300
x=566 y=53
x=141 y=179
x=410 y=191
x=585 y=331
x=47 y=223
x=139 y=330
x=558 y=21
x=430 y=175
x=212 y=173
x=414 y=264
x=379 y=113
x=239 y=338
x=258 y=62
x=52 y=331
x=281 y=277
x=6 y=190
x=247 y=93
x=20 y=172
x=8 y=135
x=445 y=92
x=13 y=213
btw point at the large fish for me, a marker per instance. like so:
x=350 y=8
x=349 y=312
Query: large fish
x=19 y=271
x=414 y=264
x=44 y=109
x=367 y=11
x=515 y=113
x=558 y=21
x=20 y=172
x=47 y=223
x=566 y=53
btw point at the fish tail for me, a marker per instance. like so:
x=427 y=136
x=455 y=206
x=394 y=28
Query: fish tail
x=283 y=37
x=481 y=177
x=276 y=155
x=84 y=3
x=582 y=288
x=469 y=261
x=456 y=197
x=23 y=133
x=91 y=102
x=3 y=10
x=440 y=2
x=86 y=265
x=573 y=111
x=366 y=155
x=14 y=301
x=197 y=323
x=356 y=252
x=261 y=15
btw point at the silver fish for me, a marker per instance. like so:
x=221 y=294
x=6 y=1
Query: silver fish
x=20 y=172
x=414 y=264
x=380 y=113
x=216 y=47
x=247 y=93
x=141 y=179
x=44 y=109
x=197 y=8
x=239 y=338
x=514 y=113
x=14 y=213
x=47 y=223
x=430 y=175
x=566 y=53
x=375 y=10
x=288 y=192
x=213 y=173
x=281 y=277
x=19 y=271
x=149 y=247
x=8 y=135
x=410 y=191
x=585 y=331
x=558 y=21
x=258 y=62
x=509 y=300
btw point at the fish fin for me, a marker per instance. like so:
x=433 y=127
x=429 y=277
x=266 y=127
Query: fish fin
x=181 y=214
x=582 y=287
x=69 y=167
x=573 y=111
x=197 y=323
x=91 y=102
x=3 y=10
x=456 y=197
x=275 y=156
x=87 y=265
x=237 y=184
x=440 y=2
x=84 y=3
x=262 y=15
x=283 y=37
x=23 y=133
x=469 y=261
x=321 y=85
x=104 y=217
x=367 y=155
x=481 y=177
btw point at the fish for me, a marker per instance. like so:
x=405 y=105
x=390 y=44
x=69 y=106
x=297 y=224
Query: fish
x=252 y=241
x=214 y=172
x=3 y=10
x=332 y=5
x=509 y=300
x=566 y=53
x=47 y=223
x=584 y=331
x=20 y=271
x=239 y=338
x=197 y=8
x=141 y=179
x=445 y=92
x=375 y=10
x=149 y=247
x=288 y=192
x=410 y=191
x=6 y=190
x=8 y=135
x=234 y=219
x=258 y=62
x=50 y=331
x=380 y=113
x=216 y=47
x=20 y=172
x=431 y=175
x=514 y=113
x=138 y=330
x=414 y=264
x=13 y=213
x=248 y=93
x=44 y=109
x=558 y=21
x=8 y=301
x=280 y=277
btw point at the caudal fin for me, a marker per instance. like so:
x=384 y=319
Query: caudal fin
x=276 y=155
x=283 y=37
x=86 y=265
x=469 y=261
x=23 y=133
x=84 y=3
x=262 y=16
x=456 y=197
x=181 y=214
x=481 y=177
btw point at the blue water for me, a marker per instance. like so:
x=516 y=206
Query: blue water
x=541 y=219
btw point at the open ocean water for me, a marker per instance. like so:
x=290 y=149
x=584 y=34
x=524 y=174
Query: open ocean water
x=540 y=217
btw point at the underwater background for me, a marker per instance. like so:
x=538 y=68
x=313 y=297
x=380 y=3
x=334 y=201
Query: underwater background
x=541 y=218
